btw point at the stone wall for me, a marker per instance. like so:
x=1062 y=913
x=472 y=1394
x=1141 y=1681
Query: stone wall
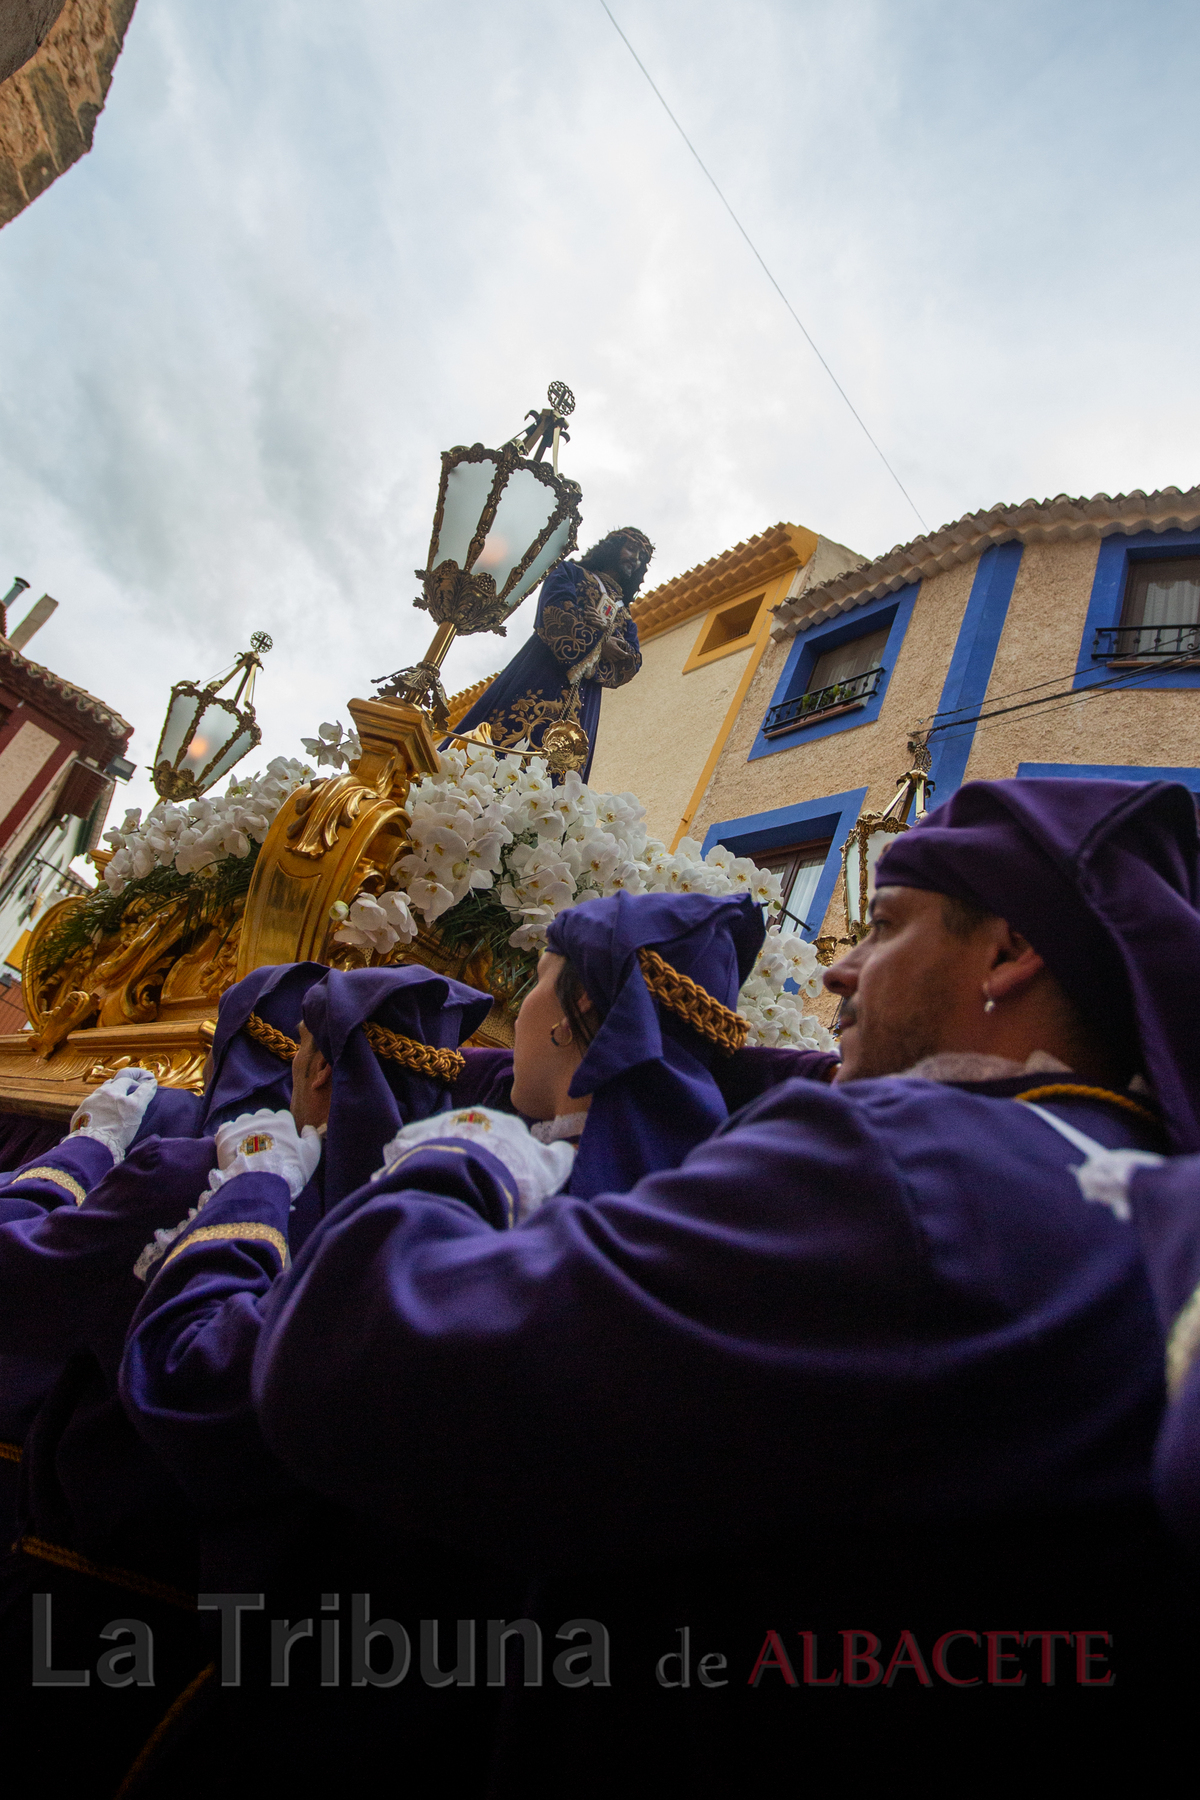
x=48 y=109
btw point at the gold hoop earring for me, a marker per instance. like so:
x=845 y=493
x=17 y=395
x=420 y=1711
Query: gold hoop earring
x=570 y=1035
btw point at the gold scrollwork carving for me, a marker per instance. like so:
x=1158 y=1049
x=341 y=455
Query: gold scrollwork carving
x=178 y=1069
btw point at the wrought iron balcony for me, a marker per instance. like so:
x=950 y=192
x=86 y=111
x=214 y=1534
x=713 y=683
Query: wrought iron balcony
x=821 y=703
x=1146 y=643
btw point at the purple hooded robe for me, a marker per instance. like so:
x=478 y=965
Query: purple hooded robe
x=868 y=1357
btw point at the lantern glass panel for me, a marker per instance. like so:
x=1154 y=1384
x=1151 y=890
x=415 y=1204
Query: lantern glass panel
x=467 y=488
x=179 y=729
x=852 y=882
x=244 y=741
x=877 y=843
x=210 y=738
x=522 y=515
x=555 y=547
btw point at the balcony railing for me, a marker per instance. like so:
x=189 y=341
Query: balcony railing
x=821 y=703
x=1146 y=643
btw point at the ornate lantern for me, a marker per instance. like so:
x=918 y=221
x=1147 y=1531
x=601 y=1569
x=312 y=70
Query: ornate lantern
x=867 y=842
x=504 y=520
x=206 y=732
x=874 y=831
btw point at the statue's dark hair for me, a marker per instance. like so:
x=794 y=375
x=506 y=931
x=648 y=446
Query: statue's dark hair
x=604 y=558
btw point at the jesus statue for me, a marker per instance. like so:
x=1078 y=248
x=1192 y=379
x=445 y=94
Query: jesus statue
x=584 y=639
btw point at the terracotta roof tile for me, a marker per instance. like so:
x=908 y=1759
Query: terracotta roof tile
x=760 y=558
x=62 y=696
x=1030 y=522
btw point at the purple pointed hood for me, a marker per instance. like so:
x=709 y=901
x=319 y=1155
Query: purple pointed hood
x=649 y=1074
x=246 y=1075
x=1103 y=878
x=374 y=1095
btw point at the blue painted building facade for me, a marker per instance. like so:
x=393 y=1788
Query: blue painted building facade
x=1028 y=641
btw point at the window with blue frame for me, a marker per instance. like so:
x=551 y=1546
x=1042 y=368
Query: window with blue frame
x=836 y=674
x=799 y=868
x=1144 y=612
x=1160 y=619
x=802 y=843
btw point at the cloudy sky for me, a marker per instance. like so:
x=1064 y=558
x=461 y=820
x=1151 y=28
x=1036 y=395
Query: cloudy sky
x=315 y=245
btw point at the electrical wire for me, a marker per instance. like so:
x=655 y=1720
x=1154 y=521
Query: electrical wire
x=1097 y=690
x=766 y=271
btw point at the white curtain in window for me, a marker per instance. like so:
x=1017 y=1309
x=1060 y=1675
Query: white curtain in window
x=1170 y=600
x=848 y=660
x=803 y=891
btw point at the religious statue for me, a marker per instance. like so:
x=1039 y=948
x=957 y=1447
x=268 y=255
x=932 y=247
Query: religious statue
x=584 y=639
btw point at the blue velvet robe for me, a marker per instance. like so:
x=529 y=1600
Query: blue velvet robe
x=570 y=634
x=864 y=1333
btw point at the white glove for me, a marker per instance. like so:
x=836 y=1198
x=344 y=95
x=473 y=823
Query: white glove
x=114 y=1112
x=267 y=1142
x=539 y=1170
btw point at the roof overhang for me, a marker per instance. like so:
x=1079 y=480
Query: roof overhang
x=1034 y=522
x=759 y=560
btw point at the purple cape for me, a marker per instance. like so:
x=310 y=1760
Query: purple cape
x=1103 y=879
x=373 y=1096
x=654 y=1096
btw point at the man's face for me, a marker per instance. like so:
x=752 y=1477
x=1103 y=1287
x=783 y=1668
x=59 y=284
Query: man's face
x=910 y=989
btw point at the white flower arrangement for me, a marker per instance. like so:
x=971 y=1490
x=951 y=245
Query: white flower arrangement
x=494 y=823
x=333 y=747
x=487 y=823
x=188 y=838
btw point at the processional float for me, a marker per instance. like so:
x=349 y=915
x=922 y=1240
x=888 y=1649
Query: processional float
x=143 y=986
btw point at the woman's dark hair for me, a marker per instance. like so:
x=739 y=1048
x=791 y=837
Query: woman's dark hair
x=569 y=990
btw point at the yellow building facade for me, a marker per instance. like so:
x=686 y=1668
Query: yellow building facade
x=703 y=636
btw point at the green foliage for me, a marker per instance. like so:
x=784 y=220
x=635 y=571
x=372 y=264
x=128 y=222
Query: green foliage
x=207 y=892
x=479 y=922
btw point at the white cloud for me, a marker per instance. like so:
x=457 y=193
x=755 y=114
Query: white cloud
x=314 y=246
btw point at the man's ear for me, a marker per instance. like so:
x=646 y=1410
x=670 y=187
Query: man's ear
x=1015 y=965
x=321 y=1075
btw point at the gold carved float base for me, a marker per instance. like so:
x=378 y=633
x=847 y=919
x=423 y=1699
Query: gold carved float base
x=148 y=993
x=52 y=1088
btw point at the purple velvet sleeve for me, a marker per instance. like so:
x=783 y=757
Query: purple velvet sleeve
x=749 y=1073
x=185 y=1376
x=812 y=1304
x=62 y=1176
x=59 y=1269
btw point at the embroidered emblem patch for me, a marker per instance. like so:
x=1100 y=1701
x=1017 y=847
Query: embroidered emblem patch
x=471 y=1117
x=252 y=1145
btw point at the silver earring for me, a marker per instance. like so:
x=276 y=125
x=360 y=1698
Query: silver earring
x=989 y=1005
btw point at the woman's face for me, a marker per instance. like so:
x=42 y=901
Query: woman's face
x=542 y=1069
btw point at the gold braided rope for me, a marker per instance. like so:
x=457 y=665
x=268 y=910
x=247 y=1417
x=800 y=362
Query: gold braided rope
x=277 y=1042
x=443 y=1065
x=693 y=1004
x=1075 y=1090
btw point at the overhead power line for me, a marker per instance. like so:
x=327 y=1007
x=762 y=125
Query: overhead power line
x=1096 y=690
x=762 y=264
